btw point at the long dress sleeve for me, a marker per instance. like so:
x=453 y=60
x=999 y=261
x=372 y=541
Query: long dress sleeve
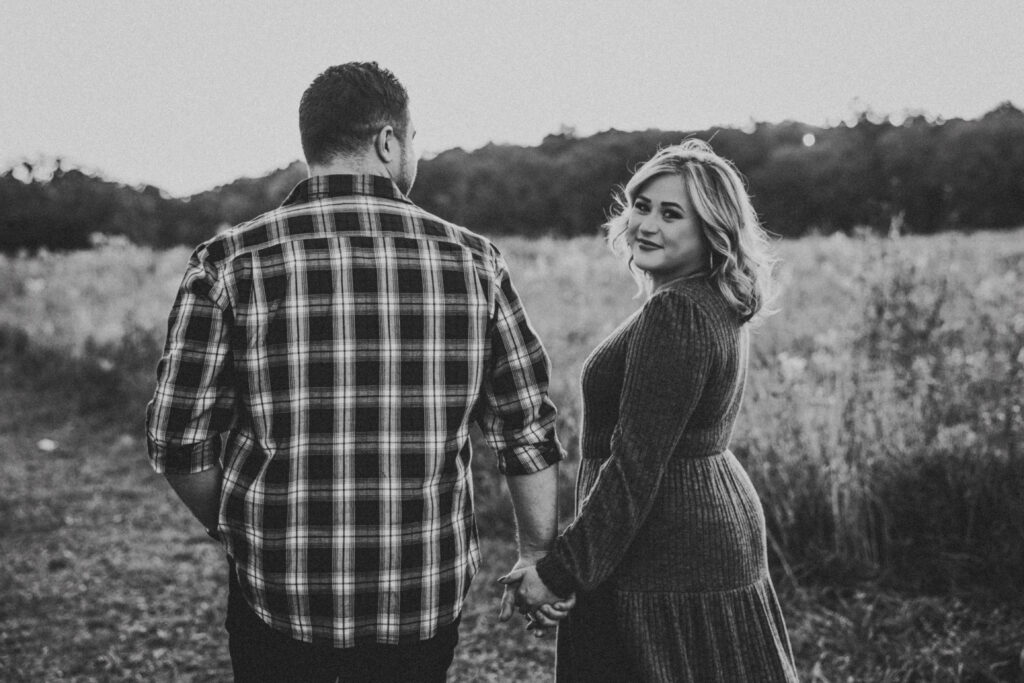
x=667 y=363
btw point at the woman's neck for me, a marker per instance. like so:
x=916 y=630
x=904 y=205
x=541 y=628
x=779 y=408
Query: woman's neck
x=659 y=284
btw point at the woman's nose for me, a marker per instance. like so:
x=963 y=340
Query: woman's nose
x=647 y=225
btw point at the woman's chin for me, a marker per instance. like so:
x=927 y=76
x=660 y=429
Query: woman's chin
x=644 y=265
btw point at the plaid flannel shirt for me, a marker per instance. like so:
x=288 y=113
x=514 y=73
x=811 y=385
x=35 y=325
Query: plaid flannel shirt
x=345 y=342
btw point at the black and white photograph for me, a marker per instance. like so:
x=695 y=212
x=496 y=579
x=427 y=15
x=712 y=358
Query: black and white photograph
x=496 y=342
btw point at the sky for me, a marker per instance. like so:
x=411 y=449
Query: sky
x=188 y=95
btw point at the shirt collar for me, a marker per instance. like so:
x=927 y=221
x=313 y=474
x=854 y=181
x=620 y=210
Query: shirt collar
x=328 y=186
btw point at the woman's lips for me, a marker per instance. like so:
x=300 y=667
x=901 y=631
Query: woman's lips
x=644 y=244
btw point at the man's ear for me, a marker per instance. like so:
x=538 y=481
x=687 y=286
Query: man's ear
x=384 y=144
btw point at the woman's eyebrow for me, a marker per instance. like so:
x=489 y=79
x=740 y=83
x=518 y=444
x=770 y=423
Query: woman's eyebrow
x=671 y=204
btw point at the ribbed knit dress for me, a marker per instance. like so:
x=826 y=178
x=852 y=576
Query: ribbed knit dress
x=667 y=553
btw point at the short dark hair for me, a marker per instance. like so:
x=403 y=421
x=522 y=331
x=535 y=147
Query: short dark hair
x=345 y=106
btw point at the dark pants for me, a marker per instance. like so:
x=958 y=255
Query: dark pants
x=259 y=653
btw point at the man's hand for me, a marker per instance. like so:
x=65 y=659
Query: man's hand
x=535 y=501
x=541 y=607
x=531 y=592
x=508 y=596
x=201 y=494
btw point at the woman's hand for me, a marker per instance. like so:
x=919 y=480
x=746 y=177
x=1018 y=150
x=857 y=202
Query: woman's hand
x=547 y=616
x=531 y=593
x=543 y=608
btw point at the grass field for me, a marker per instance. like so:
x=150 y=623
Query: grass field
x=882 y=427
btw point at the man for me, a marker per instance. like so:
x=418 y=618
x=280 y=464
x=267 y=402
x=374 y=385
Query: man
x=344 y=343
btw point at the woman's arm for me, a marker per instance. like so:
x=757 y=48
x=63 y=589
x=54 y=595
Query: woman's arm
x=667 y=364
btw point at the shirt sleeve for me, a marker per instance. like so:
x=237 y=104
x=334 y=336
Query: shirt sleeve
x=667 y=363
x=194 y=401
x=517 y=416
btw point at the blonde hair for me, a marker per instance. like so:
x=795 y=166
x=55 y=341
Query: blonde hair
x=740 y=255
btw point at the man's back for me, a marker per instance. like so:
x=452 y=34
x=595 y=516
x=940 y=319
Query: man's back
x=346 y=341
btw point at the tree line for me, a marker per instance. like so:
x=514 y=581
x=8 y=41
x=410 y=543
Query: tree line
x=919 y=175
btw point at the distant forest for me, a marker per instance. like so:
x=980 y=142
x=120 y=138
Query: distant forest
x=919 y=175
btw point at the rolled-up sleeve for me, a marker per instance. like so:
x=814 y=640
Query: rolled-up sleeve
x=194 y=401
x=518 y=416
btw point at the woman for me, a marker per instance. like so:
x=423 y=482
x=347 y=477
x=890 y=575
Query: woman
x=667 y=553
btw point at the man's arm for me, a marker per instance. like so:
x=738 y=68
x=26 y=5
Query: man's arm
x=535 y=501
x=518 y=421
x=201 y=494
x=194 y=401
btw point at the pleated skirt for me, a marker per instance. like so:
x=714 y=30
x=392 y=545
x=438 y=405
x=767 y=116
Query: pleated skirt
x=692 y=600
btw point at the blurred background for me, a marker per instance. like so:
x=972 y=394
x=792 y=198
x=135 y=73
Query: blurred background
x=883 y=146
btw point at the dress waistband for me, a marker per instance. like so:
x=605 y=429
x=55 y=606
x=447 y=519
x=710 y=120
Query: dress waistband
x=683 y=455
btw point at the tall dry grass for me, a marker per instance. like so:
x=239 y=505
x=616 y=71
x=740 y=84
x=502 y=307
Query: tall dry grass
x=885 y=432
x=882 y=423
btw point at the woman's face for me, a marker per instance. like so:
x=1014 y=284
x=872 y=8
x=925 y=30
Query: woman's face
x=665 y=234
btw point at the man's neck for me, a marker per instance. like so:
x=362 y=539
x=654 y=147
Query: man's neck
x=350 y=165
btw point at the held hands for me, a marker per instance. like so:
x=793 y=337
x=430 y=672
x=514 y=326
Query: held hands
x=525 y=589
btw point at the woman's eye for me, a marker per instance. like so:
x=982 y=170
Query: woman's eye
x=640 y=206
x=671 y=214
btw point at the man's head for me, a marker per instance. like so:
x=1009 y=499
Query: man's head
x=359 y=111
